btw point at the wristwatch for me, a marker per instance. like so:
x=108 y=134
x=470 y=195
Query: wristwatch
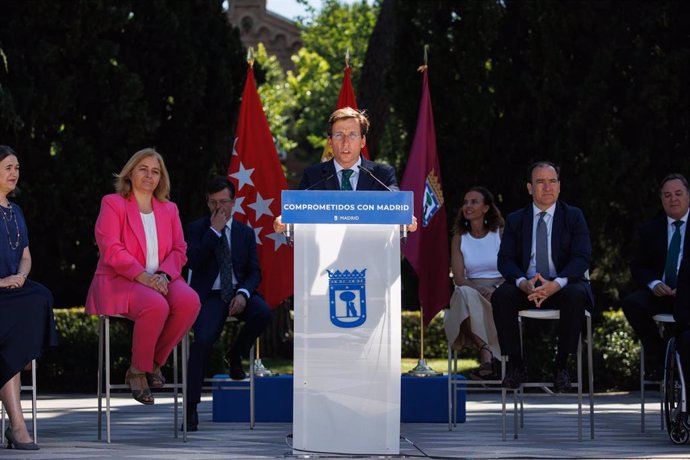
x=164 y=275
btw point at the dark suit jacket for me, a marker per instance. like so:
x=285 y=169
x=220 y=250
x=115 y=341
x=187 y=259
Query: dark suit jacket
x=650 y=259
x=571 y=248
x=202 y=242
x=316 y=175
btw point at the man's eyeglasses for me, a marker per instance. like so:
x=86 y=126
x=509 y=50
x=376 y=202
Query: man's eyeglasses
x=216 y=203
x=342 y=136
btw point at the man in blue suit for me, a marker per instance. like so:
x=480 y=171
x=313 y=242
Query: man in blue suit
x=654 y=269
x=544 y=257
x=347 y=131
x=225 y=273
x=347 y=170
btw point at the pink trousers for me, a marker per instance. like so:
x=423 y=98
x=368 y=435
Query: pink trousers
x=160 y=321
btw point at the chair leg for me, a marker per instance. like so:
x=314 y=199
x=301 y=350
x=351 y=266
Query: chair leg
x=252 y=389
x=34 y=420
x=107 y=379
x=175 y=388
x=590 y=375
x=579 y=389
x=450 y=390
x=99 y=391
x=503 y=414
x=642 y=388
x=185 y=353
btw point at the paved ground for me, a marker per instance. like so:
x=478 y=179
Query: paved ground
x=67 y=430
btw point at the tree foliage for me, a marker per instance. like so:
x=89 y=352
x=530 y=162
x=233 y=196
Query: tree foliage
x=597 y=87
x=327 y=36
x=88 y=83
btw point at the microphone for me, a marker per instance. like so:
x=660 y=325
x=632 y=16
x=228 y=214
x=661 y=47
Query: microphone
x=362 y=168
x=403 y=228
x=289 y=237
x=321 y=181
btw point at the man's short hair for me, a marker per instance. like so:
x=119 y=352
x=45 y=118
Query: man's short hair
x=543 y=164
x=674 y=176
x=219 y=183
x=346 y=113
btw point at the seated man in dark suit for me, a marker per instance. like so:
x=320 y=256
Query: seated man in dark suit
x=225 y=273
x=544 y=257
x=662 y=244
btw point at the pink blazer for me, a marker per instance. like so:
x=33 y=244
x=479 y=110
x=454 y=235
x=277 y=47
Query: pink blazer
x=122 y=245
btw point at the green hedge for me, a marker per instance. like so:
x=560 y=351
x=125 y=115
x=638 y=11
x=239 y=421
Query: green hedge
x=73 y=365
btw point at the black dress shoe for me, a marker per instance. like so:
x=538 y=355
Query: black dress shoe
x=234 y=363
x=237 y=372
x=561 y=380
x=12 y=443
x=192 y=418
x=656 y=374
x=514 y=377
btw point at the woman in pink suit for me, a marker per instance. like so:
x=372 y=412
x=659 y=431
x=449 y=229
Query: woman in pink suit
x=142 y=251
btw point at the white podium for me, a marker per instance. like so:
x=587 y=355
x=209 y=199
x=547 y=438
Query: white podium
x=347 y=319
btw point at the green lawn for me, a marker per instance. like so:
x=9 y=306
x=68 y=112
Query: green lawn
x=284 y=366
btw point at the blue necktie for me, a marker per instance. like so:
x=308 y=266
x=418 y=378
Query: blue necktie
x=542 y=249
x=345 y=181
x=224 y=259
x=671 y=271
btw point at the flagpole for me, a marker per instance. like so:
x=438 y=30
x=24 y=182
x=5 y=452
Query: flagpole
x=422 y=369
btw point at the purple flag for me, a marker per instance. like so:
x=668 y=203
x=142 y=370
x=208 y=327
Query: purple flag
x=427 y=248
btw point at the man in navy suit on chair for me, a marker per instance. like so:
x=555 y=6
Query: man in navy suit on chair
x=225 y=273
x=655 y=268
x=544 y=257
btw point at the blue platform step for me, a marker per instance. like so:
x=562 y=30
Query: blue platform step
x=422 y=399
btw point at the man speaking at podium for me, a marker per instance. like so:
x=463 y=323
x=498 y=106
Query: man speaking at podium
x=347 y=170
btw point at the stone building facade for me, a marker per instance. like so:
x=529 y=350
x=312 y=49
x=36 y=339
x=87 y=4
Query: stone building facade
x=279 y=35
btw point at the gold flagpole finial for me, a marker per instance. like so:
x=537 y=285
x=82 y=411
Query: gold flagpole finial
x=250 y=56
x=347 y=58
x=423 y=67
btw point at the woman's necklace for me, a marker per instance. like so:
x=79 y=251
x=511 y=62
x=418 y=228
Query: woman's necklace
x=9 y=217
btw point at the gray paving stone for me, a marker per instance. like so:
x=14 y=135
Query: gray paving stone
x=67 y=430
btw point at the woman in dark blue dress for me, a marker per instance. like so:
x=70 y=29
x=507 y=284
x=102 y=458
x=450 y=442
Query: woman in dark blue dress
x=26 y=307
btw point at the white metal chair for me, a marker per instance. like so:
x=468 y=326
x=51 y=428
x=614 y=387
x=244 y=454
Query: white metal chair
x=105 y=385
x=32 y=388
x=455 y=384
x=661 y=319
x=550 y=314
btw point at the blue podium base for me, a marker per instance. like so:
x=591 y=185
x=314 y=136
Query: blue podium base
x=422 y=400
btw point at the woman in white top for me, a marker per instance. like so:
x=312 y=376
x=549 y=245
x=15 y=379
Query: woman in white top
x=474 y=249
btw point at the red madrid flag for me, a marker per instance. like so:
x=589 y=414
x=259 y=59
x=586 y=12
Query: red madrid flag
x=258 y=177
x=427 y=248
x=346 y=98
